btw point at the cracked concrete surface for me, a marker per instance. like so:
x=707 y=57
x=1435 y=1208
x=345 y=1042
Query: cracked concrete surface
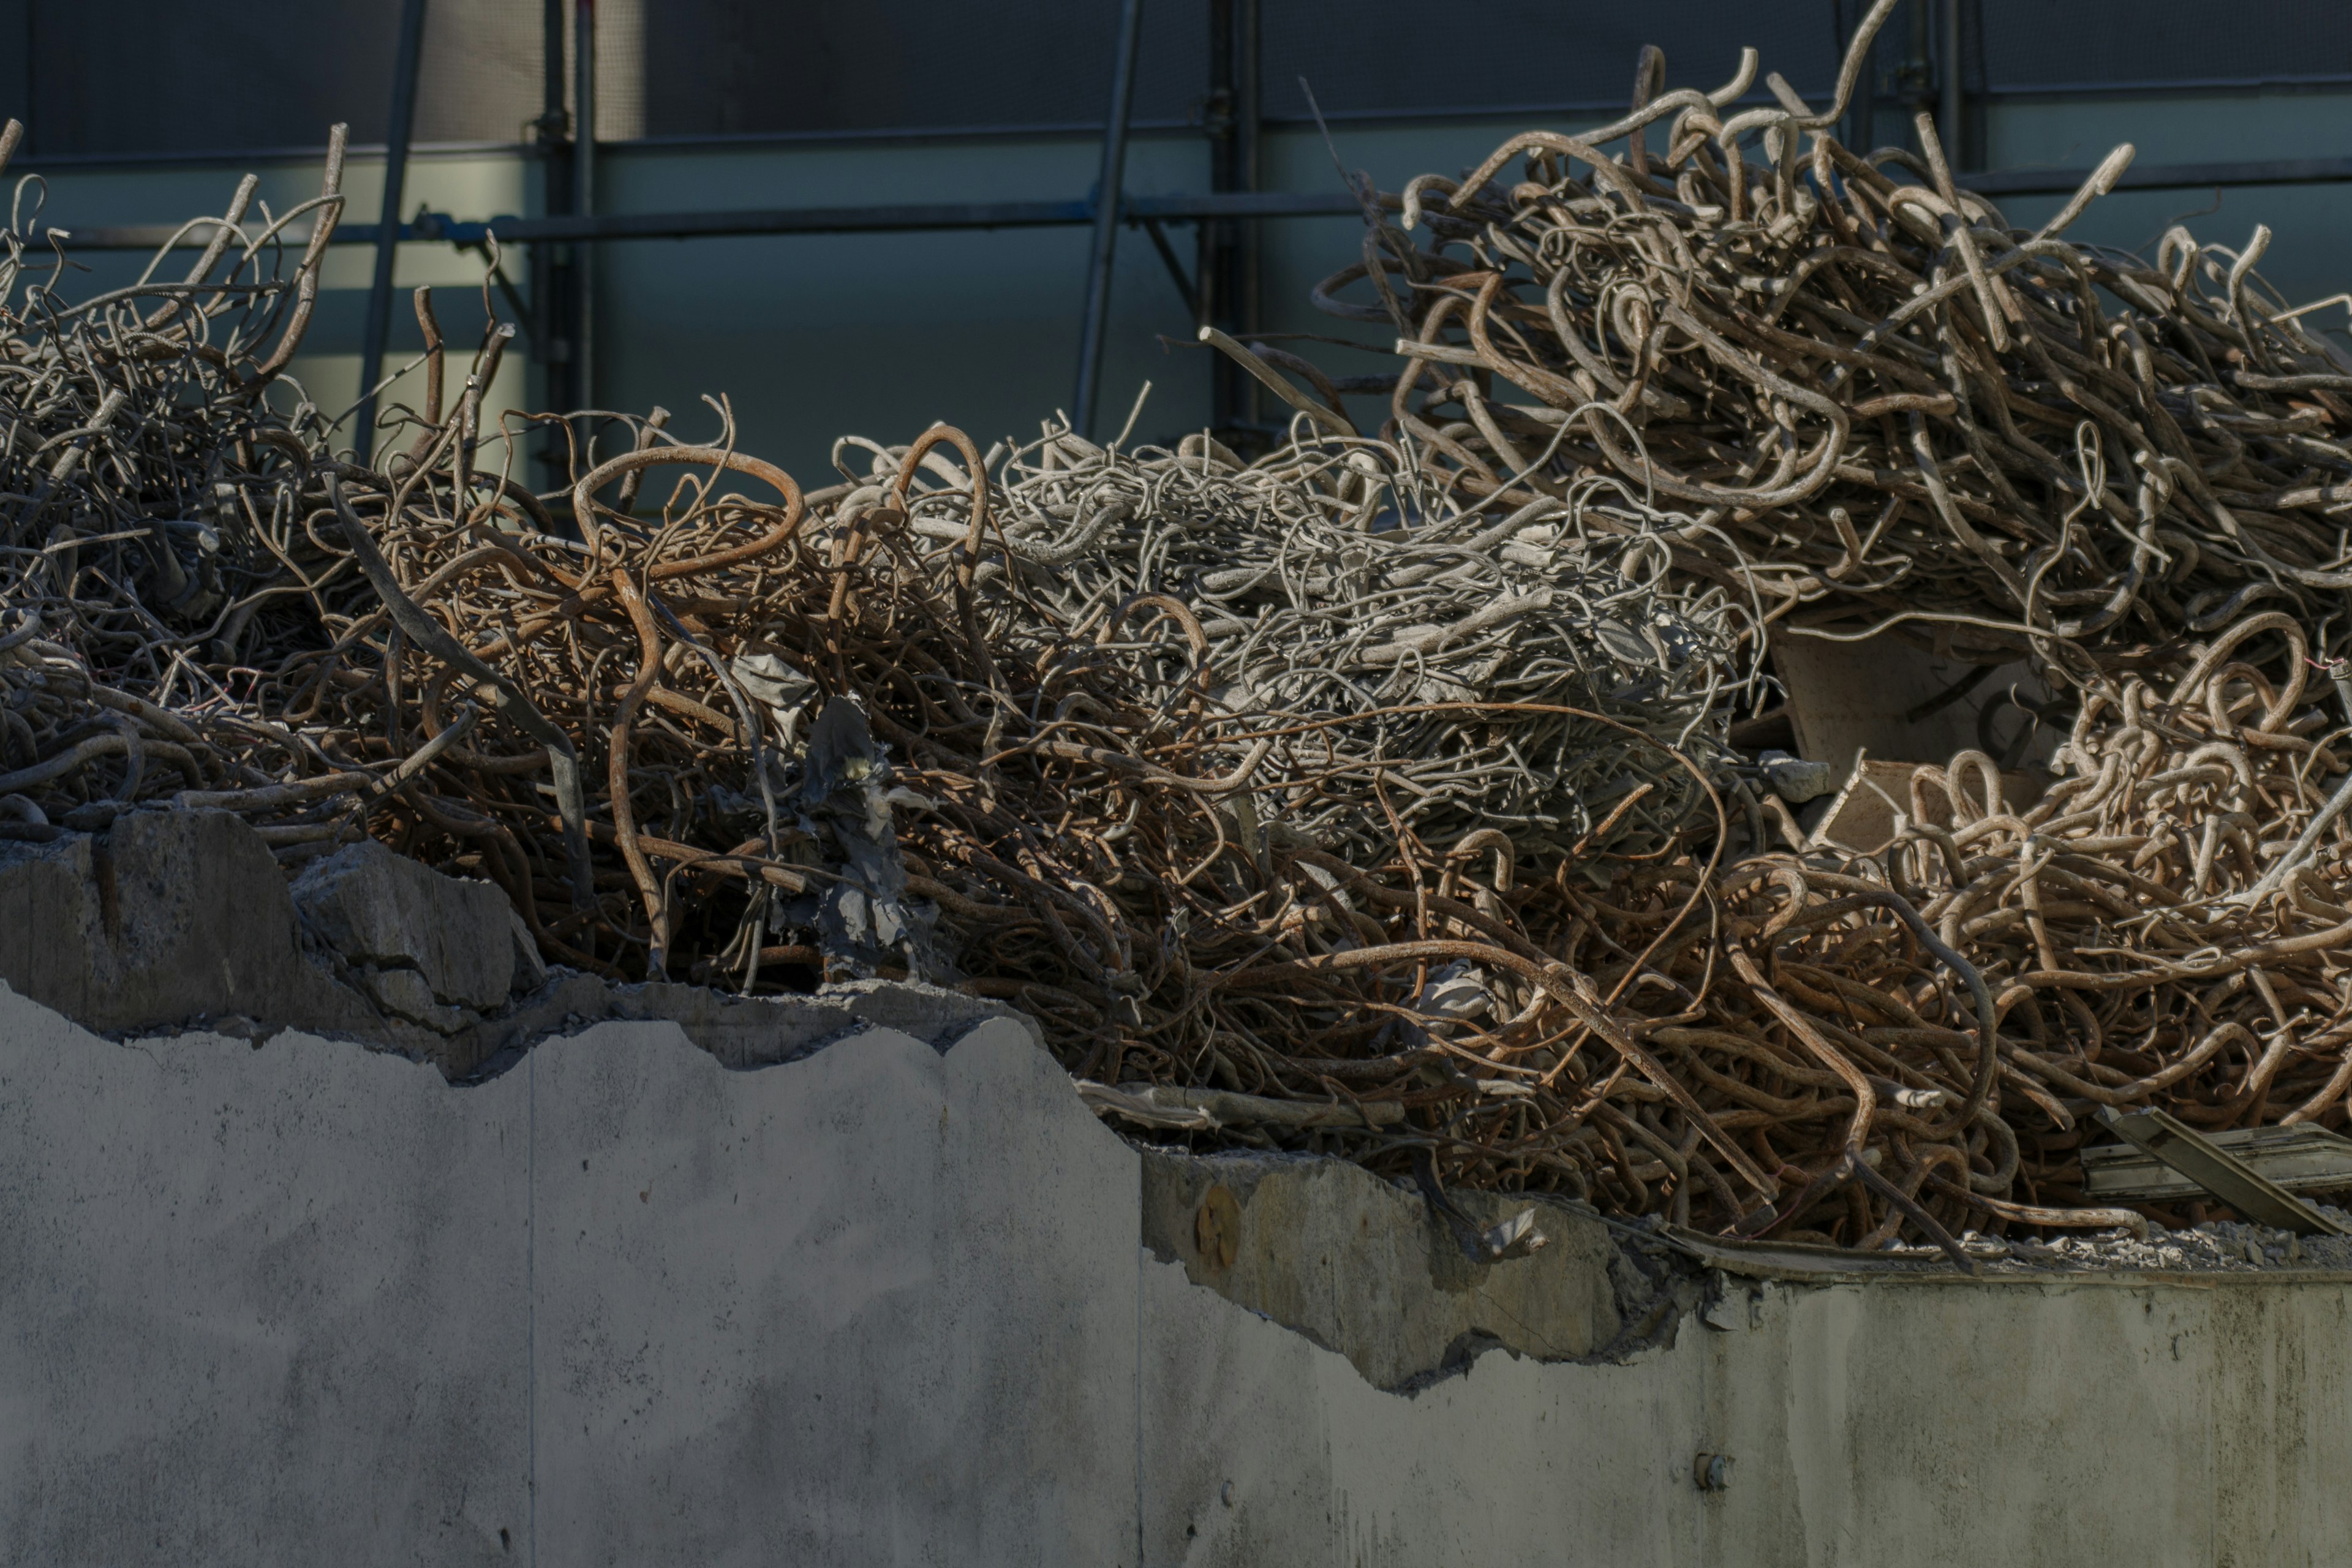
x=1358 y=1266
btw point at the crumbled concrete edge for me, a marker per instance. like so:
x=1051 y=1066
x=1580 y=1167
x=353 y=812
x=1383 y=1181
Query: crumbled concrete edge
x=1364 y=1267
x=181 y=920
x=1656 y=1287
x=2214 y=1251
x=2216 y=1246
x=743 y=1033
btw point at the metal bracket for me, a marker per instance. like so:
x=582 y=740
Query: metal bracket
x=2255 y=1196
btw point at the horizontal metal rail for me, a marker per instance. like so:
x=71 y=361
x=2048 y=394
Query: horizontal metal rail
x=758 y=221
x=2164 y=176
x=1566 y=112
x=956 y=216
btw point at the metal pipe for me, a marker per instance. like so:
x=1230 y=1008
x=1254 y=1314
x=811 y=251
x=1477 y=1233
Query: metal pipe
x=1249 y=149
x=551 y=268
x=1218 y=253
x=1239 y=206
x=552 y=116
x=1948 y=67
x=1092 y=328
x=583 y=202
x=1244 y=207
x=405 y=68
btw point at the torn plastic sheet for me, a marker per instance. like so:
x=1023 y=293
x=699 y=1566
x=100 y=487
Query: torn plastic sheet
x=861 y=916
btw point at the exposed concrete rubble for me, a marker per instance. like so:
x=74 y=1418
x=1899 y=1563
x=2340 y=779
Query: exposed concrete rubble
x=184 y=920
x=1363 y=1267
x=434 y=950
x=2215 y=1244
x=167 y=918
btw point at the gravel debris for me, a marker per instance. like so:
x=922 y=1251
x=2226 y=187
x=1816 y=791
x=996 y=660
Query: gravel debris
x=2215 y=1246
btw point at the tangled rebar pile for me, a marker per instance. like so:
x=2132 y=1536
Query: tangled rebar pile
x=2162 y=927
x=152 y=543
x=1375 y=796
x=1132 y=708
x=1902 y=407
x=1408 y=644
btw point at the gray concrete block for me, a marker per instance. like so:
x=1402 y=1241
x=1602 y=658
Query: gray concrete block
x=382 y=910
x=168 y=917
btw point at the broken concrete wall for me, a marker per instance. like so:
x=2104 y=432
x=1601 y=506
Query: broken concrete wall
x=301 y=1301
x=666 y=1277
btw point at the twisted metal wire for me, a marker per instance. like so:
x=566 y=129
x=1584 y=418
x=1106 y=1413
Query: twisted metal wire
x=1905 y=411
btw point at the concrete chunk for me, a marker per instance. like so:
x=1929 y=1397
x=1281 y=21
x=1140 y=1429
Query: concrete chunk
x=382 y=910
x=167 y=916
x=179 y=917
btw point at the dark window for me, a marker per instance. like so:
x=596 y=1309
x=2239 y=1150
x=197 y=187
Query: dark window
x=2037 y=46
x=100 y=77
x=171 y=76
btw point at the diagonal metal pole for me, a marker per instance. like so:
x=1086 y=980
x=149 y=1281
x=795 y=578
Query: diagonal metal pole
x=1953 y=106
x=551 y=267
x=404 y=70
x=1107 y=214
x=583 y=201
